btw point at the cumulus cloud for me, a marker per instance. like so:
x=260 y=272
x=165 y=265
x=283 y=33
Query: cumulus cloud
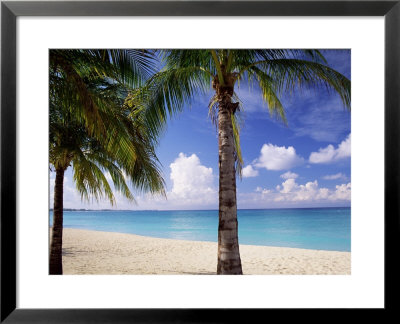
x=290 y=192
x=264 y=191
x=288 y=186
x=296 y=192
x=249 y=171
x=331 y=154
x=278 y=157
x=289 y=175
x=190 y=178
x=335 y=176
x=342 y=192
x=192 y=187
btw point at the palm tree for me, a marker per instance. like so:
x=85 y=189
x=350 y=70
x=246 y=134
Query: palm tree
x=81 y=69
x=188 y=73
x=94 y=131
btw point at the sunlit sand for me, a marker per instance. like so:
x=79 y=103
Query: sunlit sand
x=93 y=252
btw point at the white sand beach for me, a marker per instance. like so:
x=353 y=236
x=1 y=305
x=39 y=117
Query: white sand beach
x=94 y=252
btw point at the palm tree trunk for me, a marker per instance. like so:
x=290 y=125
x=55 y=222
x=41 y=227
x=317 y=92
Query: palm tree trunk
x=228 y=243
x=55 y=266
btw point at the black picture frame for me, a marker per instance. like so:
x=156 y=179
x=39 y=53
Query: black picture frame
x=10 y=10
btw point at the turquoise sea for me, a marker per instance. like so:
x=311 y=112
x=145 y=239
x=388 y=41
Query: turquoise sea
x=308 y=228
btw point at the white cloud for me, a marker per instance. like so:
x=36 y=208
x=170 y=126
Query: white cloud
x=192 y=187
x=278 y=157
x=291 y=193
x=342 y=192
x=330 y=154
x=335 y=176
x=296 y=192
x=288 y=186
x=307 y=192
x=344 y=149
x=263 y=190
x=289 y=175
x=190 y=179
x=249 y=171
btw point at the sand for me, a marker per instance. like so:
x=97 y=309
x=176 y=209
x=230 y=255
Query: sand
x=93 y=252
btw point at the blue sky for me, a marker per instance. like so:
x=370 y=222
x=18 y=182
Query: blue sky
x=304 y=164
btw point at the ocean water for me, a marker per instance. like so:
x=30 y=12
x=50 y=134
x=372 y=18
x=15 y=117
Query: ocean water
x=308 y=228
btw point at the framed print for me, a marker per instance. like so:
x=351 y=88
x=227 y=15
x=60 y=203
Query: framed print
x=356 y=265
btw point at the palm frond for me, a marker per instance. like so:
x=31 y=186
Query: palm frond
x=267 y=86
x=291 y=73
x=213 y=110
x=238 y=150
x=90 y=180
x=168 y=92
x=183 y=58
x=93 y=129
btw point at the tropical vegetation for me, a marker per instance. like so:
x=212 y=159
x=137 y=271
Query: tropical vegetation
x=95 y=132
x=188 y=73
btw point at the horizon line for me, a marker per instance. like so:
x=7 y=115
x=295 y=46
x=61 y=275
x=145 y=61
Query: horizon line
x=141 y=210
